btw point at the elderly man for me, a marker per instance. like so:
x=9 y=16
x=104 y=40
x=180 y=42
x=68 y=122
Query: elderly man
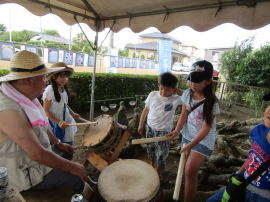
x=25 y=139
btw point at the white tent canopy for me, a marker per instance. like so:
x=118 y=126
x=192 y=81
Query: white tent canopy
x=165 y=15
x=138 y=15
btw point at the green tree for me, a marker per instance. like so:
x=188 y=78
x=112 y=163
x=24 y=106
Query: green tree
x=80 y=44
x=123 y=53
x=232 y=61
x=2 y=28
x=246 y=66
x=18 y=36
x=256 y=68
x=51 y=32
x=49 y=44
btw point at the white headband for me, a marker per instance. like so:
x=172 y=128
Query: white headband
x=197 y=68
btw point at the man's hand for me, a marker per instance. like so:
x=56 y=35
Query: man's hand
x=79 y=170
x=65 y=147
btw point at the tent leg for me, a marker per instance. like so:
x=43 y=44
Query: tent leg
x=93 y=79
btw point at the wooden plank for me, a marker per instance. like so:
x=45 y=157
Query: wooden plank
x=97 y=161
x=120 y=146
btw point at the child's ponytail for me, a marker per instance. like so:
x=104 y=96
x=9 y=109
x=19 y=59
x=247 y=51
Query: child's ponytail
x=210 y=99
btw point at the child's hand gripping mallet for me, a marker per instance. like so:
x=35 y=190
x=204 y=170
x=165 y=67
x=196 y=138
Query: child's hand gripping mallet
x=178 y=181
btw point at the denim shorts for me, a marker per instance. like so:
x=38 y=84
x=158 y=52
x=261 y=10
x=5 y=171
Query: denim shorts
x=198 y=148
x=250 y=197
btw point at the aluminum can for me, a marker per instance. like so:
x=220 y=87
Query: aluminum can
x=77 y=198
x=3 y=182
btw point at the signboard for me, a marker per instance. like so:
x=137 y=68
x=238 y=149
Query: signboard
x=32 y=49
x=79 y=59
x=68 y=57
x=113 y=61
x=52 y=55
x=91 y=60
x=152 y=65
x=6 y=51
x=120 y=62
x=142 y=64
x=148 y=64
x=135 y=63
x=165 y=55
x=127 y=62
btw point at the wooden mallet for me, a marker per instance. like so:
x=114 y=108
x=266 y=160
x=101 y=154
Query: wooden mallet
x=86 y=122
x=178 y=181
x=152 y=139
x=82 y=124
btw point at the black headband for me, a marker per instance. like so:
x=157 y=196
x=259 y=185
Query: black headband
x=28 y=70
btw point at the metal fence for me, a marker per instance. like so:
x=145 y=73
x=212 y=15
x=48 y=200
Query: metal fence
x=242 y=95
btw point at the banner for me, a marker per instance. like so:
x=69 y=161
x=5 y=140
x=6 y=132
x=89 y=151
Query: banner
x=68 y=57
x=79 y=59
x=91 y=60
x=142 y=64
x=113 y=61
x=6 y=51
x=32 y=49
x=135 y=63
x=52 y=55
x=127 y=62
x=120 y=62
x=165 y=55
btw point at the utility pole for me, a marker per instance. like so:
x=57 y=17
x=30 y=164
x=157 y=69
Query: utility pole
x=111 y=42
x=10 y=30
x=69 y=45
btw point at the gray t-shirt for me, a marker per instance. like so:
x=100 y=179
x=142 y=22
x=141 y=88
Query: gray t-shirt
x=195 y=121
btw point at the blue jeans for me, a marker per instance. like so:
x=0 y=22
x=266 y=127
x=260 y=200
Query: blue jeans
x=250 y=197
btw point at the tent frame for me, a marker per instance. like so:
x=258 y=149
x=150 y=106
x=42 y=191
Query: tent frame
x=98 y=20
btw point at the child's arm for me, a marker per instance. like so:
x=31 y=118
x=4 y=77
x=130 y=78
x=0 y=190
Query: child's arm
x=47 y=105
x=181 y=121
x=199 y=137
x=73 y=114
x=178 y=91
x=142 y=120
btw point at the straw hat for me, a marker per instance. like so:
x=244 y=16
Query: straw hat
x=25 y=64
x=62 y=67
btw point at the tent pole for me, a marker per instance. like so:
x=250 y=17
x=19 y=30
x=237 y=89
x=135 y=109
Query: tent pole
x=93 y=78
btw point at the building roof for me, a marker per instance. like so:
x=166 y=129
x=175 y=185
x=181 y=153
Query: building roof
x=220 y=48
x=158 y=35
x=47 y=37
x=150 y=46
